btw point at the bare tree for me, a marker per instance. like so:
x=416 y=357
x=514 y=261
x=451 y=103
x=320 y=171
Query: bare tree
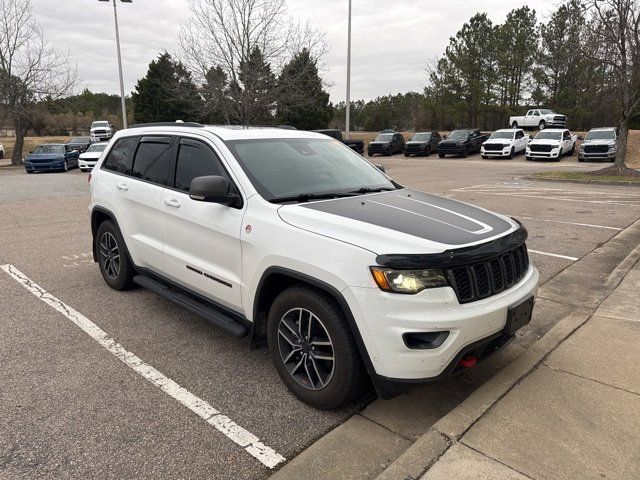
x=231 y=34
x=615 y=41
x=30 y=70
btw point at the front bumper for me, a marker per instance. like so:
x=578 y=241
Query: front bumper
x=552 y=155
x=610 y=155
x=505 y=152
x=383 y=150
x=383 y=319
x=86 y=164
x=44 y=167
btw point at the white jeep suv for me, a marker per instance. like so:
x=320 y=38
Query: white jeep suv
x=294 y=239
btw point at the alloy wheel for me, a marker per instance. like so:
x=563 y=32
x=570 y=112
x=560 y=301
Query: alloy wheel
x=110 y=255
x=306 y=349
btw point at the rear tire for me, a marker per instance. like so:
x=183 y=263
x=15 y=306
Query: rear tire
x=115 y=266
x=305 y=328
x=514 y=125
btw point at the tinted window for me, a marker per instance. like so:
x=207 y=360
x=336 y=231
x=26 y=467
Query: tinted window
x=195 y=160
x=50 y=149
x=120 y=157
x=152 y=160
x=519 y=134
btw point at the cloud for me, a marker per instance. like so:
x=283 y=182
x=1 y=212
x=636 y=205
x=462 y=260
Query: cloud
x=391 y=41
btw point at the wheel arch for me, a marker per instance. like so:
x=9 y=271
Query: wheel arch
x=275 y=280
x=98 y=216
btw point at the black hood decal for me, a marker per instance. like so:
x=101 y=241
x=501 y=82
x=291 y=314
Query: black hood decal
x=420 y=214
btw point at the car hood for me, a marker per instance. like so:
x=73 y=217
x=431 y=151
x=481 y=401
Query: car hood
x=544 y=141
x=598 y=142
x=380 y=143
x=90 y=155
x=451 y=142
x=417 y=142
x=400 y=221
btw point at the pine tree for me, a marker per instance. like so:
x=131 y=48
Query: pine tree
x=252 y=94
x=302 y=102
x=166 y=94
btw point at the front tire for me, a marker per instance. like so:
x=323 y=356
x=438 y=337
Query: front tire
x=542 y=125
x=441 y=155
x=65 y=166
x=512 y=153
x=313 y=349
x=115 y=266
x=514 y=125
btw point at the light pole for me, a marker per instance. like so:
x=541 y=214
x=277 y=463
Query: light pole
x=115 y=16
x=348 y=105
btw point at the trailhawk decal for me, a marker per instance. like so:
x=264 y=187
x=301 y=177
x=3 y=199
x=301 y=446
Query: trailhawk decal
x=419 y=214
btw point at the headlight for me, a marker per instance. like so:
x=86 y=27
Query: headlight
x=612 y=148
x=408 y=281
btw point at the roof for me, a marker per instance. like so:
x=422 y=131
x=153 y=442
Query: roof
x=603 y=129
x=226 y=132
x=508 y=130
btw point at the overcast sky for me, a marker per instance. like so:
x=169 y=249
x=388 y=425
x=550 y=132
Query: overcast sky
x=392 y=40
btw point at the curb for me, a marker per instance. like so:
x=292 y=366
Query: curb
x=583 y=182
x=449 y=429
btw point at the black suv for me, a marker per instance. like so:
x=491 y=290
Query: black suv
x=462 y=142
x=386 y=143
x=422 y=143
x=80 y=143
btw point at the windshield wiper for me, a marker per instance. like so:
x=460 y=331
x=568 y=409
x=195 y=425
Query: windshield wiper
x=372 y=190
x=305 y=197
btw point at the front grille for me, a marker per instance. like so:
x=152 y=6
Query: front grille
x=559 y=118
x=99 y=132
x=414 y=148
x=540 y=148
x=493 y=147
x=484 y=279
x=596 y=148
x=448 y=147
x=379 y=148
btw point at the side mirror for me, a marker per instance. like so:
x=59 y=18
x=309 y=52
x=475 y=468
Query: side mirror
x=214 y=189
x=380 y=167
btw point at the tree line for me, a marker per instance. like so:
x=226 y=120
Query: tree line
x=490 y=72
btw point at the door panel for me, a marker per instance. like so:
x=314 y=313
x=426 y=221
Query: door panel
x=202 y=249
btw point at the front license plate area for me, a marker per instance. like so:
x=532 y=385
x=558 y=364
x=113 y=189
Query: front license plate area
x=519 y=315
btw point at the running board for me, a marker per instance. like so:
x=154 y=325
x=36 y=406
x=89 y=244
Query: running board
x=208 y=313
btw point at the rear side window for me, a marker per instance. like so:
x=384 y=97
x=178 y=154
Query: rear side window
x=120 y=157
x=195 y=159
x=152 y=160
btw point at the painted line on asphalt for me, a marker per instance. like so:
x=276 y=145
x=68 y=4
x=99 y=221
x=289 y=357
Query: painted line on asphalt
x=200 y=407
x=573 y=259
x=569 y=223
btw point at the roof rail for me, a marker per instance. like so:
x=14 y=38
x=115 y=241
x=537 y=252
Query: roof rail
x=168 y=124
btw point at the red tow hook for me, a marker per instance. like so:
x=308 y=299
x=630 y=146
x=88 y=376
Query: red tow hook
x=468 y=362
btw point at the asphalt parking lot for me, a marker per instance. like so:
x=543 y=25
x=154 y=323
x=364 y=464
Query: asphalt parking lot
x=73 y=409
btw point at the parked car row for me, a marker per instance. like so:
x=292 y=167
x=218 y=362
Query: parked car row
x=549 y=143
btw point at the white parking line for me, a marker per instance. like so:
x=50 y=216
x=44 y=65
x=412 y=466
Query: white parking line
x=573 y=259
x=204 y=410
x=569 y=223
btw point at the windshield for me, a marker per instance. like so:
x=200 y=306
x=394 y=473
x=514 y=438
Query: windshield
x=97 y=147
x=80 y=140
x=421 y=137
x=546 y=112
x=545 y=135
x=601 y=135
x=384 y=137
x=459 y=135
x=284 y=167
x=49 y=149
x=505 y=135
x=99 y=124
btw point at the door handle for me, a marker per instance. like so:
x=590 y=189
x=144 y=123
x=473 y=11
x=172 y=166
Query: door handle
x=172 y=203
x=122 y=186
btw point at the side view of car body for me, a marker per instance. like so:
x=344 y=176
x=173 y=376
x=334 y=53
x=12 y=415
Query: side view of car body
x=51 y=157
x=101 y=130
x=89 y=158
x=422 y=143
x=599 y=144
x=293 y=239
x=386 y=143
x=540 y=118
x=551 y=144
x=462 y=142
x=505 y=143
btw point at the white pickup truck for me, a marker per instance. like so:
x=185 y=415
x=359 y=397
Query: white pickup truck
x=540 y=118
x=505 y=143
x=552 y=144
